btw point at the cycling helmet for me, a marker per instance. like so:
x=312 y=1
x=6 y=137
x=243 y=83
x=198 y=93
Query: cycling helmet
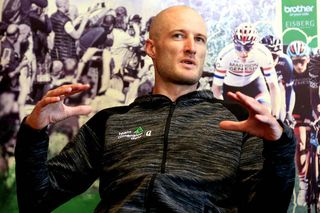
x=244 y=34
x=297 y=49
x=273 y=43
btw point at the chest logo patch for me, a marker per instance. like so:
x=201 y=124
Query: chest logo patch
x=135 y=134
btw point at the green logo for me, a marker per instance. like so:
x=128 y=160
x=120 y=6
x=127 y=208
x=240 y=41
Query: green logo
x=138 y=130
x=138 y=133
x=300 y=21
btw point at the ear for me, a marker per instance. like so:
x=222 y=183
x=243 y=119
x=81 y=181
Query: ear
x=150 y=48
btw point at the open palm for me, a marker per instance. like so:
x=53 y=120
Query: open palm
x=51 y=108
x=260 y=121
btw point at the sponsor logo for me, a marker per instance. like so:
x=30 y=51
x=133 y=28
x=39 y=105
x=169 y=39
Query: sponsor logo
x=299 y=9
x=135 y=134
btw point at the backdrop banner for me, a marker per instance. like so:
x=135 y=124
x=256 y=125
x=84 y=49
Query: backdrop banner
x=110 y=58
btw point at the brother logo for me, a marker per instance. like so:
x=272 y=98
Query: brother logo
x=298 y=9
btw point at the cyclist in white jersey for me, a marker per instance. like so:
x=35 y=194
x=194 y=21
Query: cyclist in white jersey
x=247 y=66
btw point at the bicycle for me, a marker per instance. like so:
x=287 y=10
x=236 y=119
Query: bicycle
x=312 y=177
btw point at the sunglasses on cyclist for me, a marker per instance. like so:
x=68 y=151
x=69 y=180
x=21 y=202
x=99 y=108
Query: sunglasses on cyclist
x=241 y=47
x=299 y=61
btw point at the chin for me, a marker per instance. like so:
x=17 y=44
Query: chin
x=190 y=81
x=243 y=59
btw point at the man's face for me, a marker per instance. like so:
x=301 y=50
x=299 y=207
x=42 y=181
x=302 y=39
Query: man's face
x=180 y=49
x=73 y=12
x=64 y=6
x=13 y=38
x=243 y=50
x=300 y=63
x=108 y=23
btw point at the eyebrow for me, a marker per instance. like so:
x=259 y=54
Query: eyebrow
x=186 y=31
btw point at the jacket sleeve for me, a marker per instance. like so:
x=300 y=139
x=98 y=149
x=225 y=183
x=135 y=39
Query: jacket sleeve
x=266 y=185
x=44 y=185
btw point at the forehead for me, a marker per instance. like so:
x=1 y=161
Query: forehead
x=184 y=19
x=301 y=57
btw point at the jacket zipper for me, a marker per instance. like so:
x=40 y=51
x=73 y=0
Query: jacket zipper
x=166 y=133
x=148 y=198
x=164 y=159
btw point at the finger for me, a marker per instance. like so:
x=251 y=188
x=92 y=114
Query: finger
x=60 y=91
x=79 y=88
x=231 y=125
x=248 y=102
x=48 y=100
x=74 y=90
x=262 y=118
x=233 y=96
x=78 y=110
x=240 y=98
x=269 y=120
x=67 y=90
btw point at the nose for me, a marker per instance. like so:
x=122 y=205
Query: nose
x=189 y=45
x=300 y=65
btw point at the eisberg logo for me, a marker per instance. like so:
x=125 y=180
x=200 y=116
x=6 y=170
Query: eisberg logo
x=298 y=9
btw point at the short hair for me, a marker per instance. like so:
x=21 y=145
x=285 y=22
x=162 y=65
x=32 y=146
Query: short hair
x=60 y=3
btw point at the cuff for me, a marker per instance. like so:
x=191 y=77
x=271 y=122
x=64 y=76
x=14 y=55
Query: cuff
x=284 y=146
x=30 y=134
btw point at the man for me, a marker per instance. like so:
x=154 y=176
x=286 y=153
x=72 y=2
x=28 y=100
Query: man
x=121 y=21
x=314 y=73
x=122 y=42
x=247 y=66
x=26 y=9
x=65 y=34
x=164 y=152
x=306 y=94
x=41 y=27
x=284 y=69
x=10 y=60
x=10 y=117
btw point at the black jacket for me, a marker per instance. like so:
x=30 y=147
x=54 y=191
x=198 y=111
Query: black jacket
x=160 y=156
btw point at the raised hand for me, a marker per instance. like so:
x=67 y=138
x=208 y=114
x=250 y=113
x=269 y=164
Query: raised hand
x=260 y=121
x=51 y=109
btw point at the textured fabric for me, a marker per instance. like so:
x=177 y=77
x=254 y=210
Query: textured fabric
x=160 y=156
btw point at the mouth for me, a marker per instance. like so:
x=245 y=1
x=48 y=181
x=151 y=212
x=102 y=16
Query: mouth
x=243 y=57
x=189 y=62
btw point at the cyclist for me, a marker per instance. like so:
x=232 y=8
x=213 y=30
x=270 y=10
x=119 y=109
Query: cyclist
x=284 y=69
x=302 y=112
x=247 y=66
x=314 y=73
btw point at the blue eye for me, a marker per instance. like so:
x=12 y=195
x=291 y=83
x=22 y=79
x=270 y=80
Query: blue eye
x=200 y=39
x=178 y=36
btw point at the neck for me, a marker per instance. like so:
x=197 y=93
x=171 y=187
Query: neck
x=62 y=10
x=173 y=91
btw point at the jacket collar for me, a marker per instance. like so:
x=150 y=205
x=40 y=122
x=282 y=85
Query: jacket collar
x=189 y=98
